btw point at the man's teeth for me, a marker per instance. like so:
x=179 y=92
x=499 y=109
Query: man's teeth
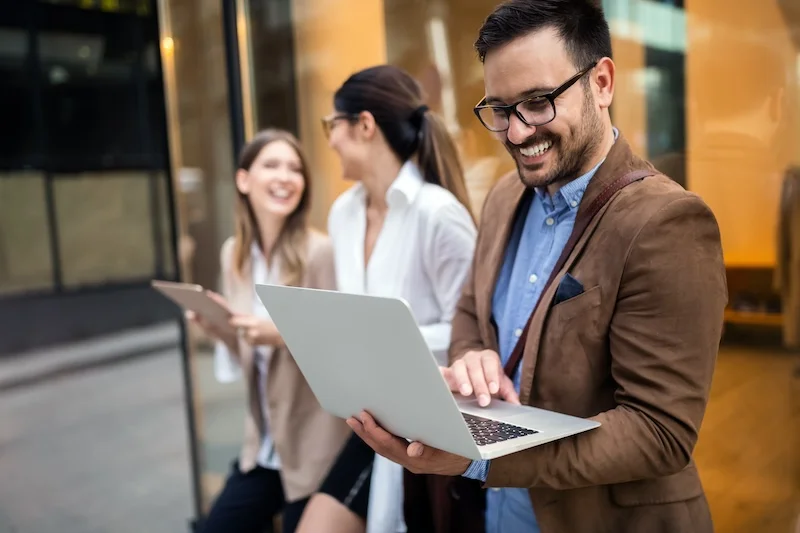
x=537 y=149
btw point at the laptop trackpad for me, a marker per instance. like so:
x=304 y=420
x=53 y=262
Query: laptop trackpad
x=497 y=409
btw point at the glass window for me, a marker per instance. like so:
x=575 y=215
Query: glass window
x=19 y=144
x=94 y=78
x=710 y=94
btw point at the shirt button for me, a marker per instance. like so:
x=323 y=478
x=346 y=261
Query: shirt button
x=533 y=278
x=573 y=203
x=518 y=332
x=549 y=221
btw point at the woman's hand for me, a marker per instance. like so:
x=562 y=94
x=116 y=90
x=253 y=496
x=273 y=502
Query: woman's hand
x=225 y=335
x=256 y=331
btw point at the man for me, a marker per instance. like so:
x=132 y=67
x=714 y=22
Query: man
x=627 y=332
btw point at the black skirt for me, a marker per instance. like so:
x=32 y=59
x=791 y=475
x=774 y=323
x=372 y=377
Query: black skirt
x=349 y=479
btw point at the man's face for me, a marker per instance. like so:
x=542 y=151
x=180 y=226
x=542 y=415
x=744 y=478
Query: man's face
x=560 y=150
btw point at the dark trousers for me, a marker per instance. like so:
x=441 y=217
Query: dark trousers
x=249 y=502
x=443 y=504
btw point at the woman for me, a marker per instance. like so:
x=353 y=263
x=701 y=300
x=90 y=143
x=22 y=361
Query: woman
x=290 y=442
x=404 y=230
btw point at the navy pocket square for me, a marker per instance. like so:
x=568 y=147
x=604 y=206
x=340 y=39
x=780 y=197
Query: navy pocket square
x=569 y=287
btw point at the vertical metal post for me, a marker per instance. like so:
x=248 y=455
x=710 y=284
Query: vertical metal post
x=172 y=146
x=229 y=32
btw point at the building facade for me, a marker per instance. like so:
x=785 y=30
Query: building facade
x=85 y=196
x=120 y=161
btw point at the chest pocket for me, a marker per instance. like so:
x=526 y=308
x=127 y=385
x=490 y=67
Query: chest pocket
x=584 y=305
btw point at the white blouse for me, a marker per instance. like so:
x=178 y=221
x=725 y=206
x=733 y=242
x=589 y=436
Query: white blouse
x=226 y=366
x=422 y=254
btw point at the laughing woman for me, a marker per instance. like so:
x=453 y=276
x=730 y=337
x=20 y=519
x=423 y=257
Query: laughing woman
x=290 y=442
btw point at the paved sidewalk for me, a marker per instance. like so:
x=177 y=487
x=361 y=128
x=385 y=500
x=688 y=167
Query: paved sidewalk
x=97 y=451
x=31 y=367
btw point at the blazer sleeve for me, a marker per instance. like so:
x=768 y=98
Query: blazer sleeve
x=663 y=341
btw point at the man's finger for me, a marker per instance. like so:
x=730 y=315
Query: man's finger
x=461 y=376
x=491 y=371
x=384 y=443
x=507 y=391
x=479 y=386
x=449 y=378
x=415 y=449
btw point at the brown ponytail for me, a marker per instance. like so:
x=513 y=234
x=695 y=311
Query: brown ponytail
x=438 y=159
x=395 y=100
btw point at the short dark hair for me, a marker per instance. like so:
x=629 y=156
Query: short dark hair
x=580 y=23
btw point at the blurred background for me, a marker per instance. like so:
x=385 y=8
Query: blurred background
x=119 y=125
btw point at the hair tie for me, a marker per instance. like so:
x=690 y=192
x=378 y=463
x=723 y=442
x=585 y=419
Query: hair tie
x=418 y=114
x=416 y=120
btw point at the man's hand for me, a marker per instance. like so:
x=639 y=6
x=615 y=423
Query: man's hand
x=415 y=457
x=480 y=373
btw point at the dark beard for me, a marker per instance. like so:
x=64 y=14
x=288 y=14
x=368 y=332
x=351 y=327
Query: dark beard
x=573 y=156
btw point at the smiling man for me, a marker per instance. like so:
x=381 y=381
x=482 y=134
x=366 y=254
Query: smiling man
x=597 y=290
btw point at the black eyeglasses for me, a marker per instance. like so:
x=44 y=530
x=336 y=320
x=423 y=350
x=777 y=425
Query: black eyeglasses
x=328 y=122
x=533 y=111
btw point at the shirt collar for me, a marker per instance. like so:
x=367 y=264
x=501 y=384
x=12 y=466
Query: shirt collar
x=572 y=192
x=404 y=188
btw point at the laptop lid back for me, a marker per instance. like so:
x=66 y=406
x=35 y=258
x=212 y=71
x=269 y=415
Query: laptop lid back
x=361 y=352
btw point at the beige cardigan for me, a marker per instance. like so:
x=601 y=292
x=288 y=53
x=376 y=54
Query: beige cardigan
x=307 y=438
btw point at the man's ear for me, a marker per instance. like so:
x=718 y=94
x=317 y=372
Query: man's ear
x=603 y=79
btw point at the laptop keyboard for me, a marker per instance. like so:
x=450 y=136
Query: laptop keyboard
x=486 y=431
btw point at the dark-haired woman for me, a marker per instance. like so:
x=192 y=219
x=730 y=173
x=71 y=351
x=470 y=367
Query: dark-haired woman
x=290 y=442
x=403 y=230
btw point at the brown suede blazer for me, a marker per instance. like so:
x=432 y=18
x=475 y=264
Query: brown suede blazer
x=307 y=438
x=635 y=351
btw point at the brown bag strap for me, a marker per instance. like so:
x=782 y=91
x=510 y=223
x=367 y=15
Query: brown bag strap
x=581 y=223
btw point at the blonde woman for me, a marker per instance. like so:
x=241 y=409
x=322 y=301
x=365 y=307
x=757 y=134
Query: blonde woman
x=290 y=442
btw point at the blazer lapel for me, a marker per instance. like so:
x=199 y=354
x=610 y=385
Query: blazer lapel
x=491 y=263
x=620 y=160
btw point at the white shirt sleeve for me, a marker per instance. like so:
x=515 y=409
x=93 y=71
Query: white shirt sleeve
x=226 y=366
x=449 y=247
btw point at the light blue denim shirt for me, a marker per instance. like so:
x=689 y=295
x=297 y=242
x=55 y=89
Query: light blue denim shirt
x=537 y=240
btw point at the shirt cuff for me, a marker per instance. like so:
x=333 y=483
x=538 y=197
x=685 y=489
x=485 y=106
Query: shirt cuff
x=478 y=470
x=226 y=367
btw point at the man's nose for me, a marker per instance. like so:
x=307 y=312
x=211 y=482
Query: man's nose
x=518 y=131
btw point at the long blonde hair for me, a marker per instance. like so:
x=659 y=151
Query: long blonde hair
x=291 y=246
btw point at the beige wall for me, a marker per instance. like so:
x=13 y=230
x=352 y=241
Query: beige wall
x=736 y=162
x=630 y=102
x=333 y=39
x=25 y=259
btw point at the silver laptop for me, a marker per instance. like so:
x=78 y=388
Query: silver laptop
x=362 y=352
